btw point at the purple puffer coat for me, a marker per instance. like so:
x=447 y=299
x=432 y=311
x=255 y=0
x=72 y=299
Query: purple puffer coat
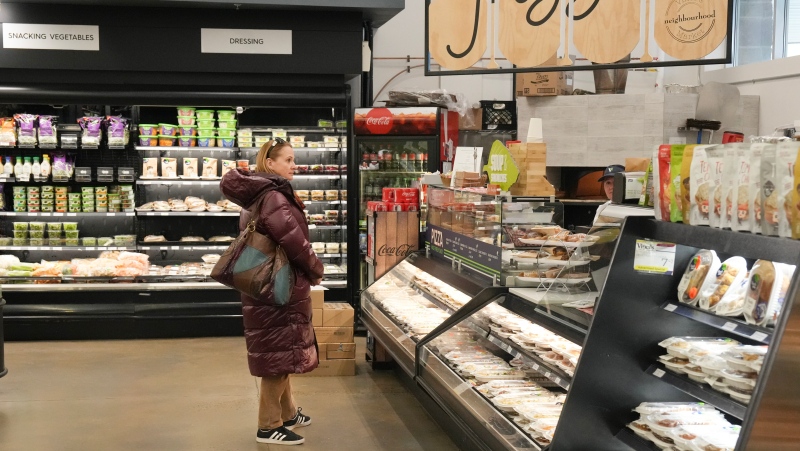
x=280 y=339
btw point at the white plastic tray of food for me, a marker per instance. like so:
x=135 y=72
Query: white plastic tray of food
x=551 y=281
x=487 y=376
x=562 y=243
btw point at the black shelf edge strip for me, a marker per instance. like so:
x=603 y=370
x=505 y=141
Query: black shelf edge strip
x=734 y=326
x=699 y=391
x=637 y=443
x=747 y=245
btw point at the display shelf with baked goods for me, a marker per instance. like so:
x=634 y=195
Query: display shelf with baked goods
x=702 y=355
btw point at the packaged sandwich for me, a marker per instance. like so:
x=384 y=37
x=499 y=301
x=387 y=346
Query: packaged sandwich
x=795 y=218
x=169 y=168
x=685 y=189
x=730 y=273
x=732 y=302
x=228 y=165
x=754 y=189
x=190 y=167
x=716 y=158
x=209 y=167
x=149 y=168
x=664 y=182
x=702 y=268
x=766 y=291
x=785 y=158
x=699 y=186
x=646 y=199
x=729 y=179
x=675 y=200
x=768 y=195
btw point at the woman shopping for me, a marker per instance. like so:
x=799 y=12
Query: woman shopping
x=280 y=338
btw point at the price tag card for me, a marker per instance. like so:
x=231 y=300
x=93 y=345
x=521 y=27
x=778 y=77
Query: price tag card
x=654 y=257
x=658 y=373
x=758 y=336
x=670 y=307
x=729 y=326
x=72 y=214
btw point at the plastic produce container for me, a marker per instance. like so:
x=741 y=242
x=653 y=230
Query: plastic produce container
x=204 y=114
x=166 y=140
x=187 y=141
x=226 y=115
x=206 y=142
x=187 y=130
x=148 y=129
x=186 y=111
x=230 y=123
x=167 y=129
x=185 y=120
x=148 y=141
x=205 y=123
x=226 y=142
x=226 y=132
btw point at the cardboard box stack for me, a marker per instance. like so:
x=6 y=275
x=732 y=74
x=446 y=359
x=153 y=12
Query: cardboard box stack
x=333 y=324
x=531 y=159
x=545 y=84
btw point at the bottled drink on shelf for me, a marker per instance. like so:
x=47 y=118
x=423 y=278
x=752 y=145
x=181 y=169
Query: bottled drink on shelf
x=45 y=165
x=365 y=158
x=18 y=167
x=36 y=169
x=412 y=160
x=396 y=159
x=26 y=167
x=387 y=161
x=8 y=168
x=404 y=160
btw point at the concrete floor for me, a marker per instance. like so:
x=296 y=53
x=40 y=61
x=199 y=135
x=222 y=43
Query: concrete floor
x=190 y=394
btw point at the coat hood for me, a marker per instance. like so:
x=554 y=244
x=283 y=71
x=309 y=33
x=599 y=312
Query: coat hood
x=245 y=187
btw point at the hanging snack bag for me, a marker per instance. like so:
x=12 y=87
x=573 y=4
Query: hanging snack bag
x=701 y=269
x=47 y=130
x=190 y=167
x=685 y=180
x=149 y=168
x=716 y=158
x=740 y=216
x=675 y=200
x=27 y=128
x=8 y=131
x=768 y=193
x=754 y=189
x=663 y=182
x=729 y=178
x=730 y=273
x=785 y=160
x=699 y=186
x=209 y=167
x=117 y=131
x=228 y=165
x=766 y=290
x=169 y=168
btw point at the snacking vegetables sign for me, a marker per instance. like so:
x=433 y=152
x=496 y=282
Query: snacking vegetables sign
x=51 y=37
x=463 y=36
x=477 y=255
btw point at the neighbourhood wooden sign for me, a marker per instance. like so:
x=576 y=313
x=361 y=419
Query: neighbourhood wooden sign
x=461 y=39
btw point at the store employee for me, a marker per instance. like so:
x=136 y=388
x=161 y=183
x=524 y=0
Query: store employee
x=608 y=186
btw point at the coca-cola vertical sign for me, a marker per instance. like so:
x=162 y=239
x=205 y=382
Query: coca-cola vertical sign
x=396 y=121
x=391 y=236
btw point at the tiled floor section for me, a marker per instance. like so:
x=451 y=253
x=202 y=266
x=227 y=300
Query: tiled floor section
x=190 y=394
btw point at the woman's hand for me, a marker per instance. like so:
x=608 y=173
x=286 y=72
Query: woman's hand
x=315 y=282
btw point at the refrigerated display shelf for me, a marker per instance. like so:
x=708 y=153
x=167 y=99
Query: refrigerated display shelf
x=318 y=176
x=435 y=300
x=329 y=202
x=332 y=227
x=334 y=283
x=177 y=182
x=635 y=442
x=67 y=248
x=187 y=213
x=700 y=391
x=758 y=334
x=396 y=341
x=184 y=149
x=569 y=323
x=64 y=215
x=194 y=247
x=452 y=391
x=557 y=375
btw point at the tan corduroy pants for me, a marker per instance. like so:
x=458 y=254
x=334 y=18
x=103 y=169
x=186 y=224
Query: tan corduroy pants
x=276 y=403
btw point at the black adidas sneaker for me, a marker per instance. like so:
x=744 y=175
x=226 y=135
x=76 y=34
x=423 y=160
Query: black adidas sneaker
x=298 y=421
x=278 y=436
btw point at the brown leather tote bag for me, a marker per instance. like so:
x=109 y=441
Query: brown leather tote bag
x=256 y=266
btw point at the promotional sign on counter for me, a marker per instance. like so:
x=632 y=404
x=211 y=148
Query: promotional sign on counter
x=477 y=255
x=502 y=169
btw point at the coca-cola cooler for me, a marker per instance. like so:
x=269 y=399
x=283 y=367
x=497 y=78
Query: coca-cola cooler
x=392 y=148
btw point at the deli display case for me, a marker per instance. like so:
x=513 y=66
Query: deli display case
x=521 y=369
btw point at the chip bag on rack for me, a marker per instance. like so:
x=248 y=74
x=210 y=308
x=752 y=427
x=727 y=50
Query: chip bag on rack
x=27 y=128
x=92 y=127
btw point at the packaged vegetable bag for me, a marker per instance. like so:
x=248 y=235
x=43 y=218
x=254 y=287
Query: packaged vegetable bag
x=740 y=201
x=699 y=186
x=769 y=190
x=716 y=167
x=729 y=179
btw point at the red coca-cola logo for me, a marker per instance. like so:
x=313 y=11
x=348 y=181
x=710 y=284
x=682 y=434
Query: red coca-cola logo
x=379 y=121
